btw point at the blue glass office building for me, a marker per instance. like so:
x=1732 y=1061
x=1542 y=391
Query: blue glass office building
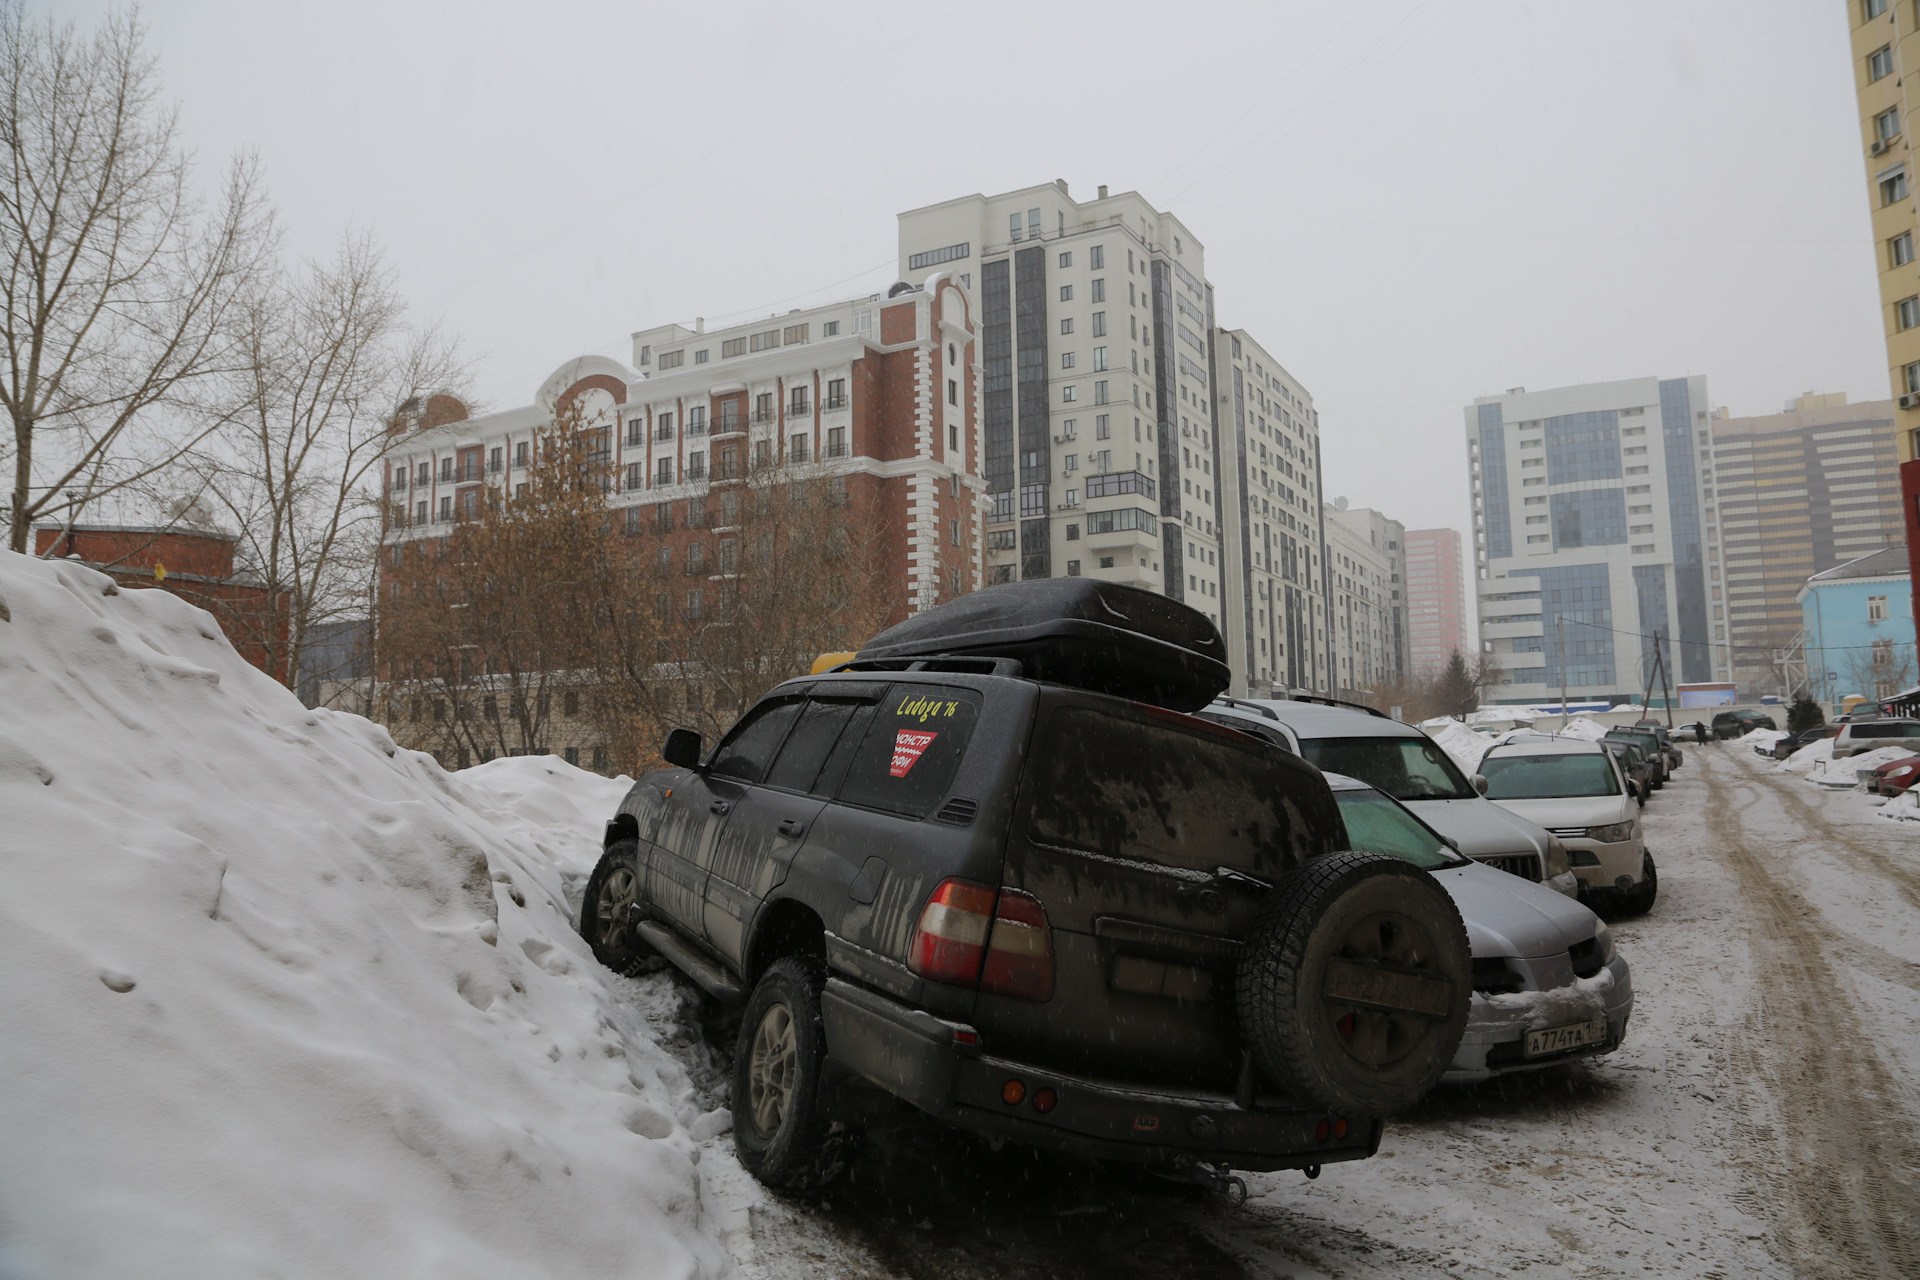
x=1589 y=545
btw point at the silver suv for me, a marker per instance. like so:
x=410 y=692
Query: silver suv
x=1409 y=766
x=1857 y=737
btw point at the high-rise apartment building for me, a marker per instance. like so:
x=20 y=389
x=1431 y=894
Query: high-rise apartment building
x=1436 y=600
x=1113 y=442
x=1386 y=540
x=1269 y=470
x=1589 y=535
x=1360 y=613
x=1794 y=494
x=1886 y=49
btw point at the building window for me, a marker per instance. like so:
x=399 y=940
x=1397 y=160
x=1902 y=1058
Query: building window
x=1102 y=427
x=1097 y=257
x=636 y=475
x=797 y=447
x=1008 y=540
x=1099 y=358
x=1876 y=608
x=795 y=334
x=700 y=356
x=836 y=394
x=663 y=426
x=1066 y=293
x=953 y=532
x=446 y=510
x=831 y=329
x=1033 y=224
x=1893 y=188
x=764 y=341
x=1013 y=227
x=663 y=471
x=1071 y=462
x=762 y=454
x=1873 y=8
x=636 y=431
x=1073 y=568
x=1910 y=378
x=1106 y=562
x=1100 y=389
x=934 y=257
x=733 y=347
x=836 y=442
x=801 y=403
x=1886 y=125
x=1073 y=533
x=953 y=391
x=1908 y=312
x=1066 y=325
x=1069 y=394
x=1900 y=249
x=671 y=359
x=1066 y=359
x=1099 y=290
x=1880 y=62
x=1066 y=259
x=1099 y=324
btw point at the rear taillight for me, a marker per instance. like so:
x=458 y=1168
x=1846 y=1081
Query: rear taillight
x=973 y=936
x=1020 y=949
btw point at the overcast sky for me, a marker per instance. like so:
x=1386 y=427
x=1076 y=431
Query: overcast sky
x=1410 y=202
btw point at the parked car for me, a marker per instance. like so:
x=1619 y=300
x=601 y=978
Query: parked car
x=1794 y=741
x=1731 y=724
x=1409 y=766
x=991 y=869
x=1577 y=791
x=1532 y=949
x=1895 y=777
x=1857 y=737
x=1675 y=757
x=1648 y=743
x=1633 y=761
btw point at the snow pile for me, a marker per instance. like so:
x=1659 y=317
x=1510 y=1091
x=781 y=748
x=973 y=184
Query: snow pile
x=1584 y=727
x=1904 y=807
x=284 y=1000
x=1846 y=771
x=1459 y=742
x=1808 y=758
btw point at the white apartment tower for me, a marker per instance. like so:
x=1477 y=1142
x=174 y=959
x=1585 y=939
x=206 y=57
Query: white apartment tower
x=1126 y=436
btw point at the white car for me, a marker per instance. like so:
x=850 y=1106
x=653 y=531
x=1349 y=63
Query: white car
x=1576 y=790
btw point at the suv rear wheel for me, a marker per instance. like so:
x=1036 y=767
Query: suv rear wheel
x=615 y=897
x=779 y=1134
x=1354 y=986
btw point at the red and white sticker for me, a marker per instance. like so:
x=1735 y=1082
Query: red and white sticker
x=908 y=746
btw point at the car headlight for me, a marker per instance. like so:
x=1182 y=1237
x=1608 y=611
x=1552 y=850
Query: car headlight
x=1604 y=936
x=1557 y=863
x=1613 y=834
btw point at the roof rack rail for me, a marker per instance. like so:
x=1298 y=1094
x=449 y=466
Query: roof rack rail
x=956 y=663
x=1246 y=704
x=1338 y=702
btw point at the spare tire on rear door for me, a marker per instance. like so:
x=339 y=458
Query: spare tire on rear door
x=1353 y=987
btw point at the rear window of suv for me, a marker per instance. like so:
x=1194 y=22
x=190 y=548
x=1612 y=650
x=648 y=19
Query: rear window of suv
x=911 y=753
x=1404 y=768
x=1885 y=729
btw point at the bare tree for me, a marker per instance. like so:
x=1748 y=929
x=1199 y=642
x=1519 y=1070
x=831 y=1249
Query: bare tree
x=119 y=282
x=326 y=357
x=1879 y=670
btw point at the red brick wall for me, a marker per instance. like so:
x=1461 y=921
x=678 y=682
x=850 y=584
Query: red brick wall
x=210 y=555
x=897 y=323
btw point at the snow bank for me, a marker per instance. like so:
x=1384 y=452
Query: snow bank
x=284 y=1000
x=1762 y=740
x=1459 y=742
x=1808 y=758
x=1585 y=727
x=1904 y=807
x=1845 y=771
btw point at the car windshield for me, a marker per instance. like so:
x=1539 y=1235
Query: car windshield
x=1376 y=824
x=1542 y=777
x=1404 y=768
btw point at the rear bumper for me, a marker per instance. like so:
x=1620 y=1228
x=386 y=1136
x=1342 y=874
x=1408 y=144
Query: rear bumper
x=914 y=1056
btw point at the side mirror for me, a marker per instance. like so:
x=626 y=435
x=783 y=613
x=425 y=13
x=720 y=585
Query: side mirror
x=1451 y=843
x=1633 y=788
x=681 y=749
x=1480 y=783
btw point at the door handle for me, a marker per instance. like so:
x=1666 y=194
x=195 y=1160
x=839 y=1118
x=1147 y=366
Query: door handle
x=791 y=827
x=719 y=806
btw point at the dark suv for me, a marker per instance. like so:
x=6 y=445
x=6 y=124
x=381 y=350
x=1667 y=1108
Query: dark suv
x=992 y=869
x=1732 y=724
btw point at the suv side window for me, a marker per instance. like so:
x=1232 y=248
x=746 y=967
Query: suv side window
x=746 y=751
x=907 y=760
x=816 y=753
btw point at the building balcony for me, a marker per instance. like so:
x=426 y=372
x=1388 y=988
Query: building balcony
x=831 y=403
x=799 y=411
x=834 y=449
x=763 y=416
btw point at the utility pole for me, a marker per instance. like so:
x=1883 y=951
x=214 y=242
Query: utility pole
x=1560 y=650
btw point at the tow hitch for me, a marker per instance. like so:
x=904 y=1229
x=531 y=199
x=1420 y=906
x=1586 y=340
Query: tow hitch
x=1217 y=1178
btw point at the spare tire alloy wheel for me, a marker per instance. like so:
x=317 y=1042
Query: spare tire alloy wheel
x=778 y=1132
x=614 y=891
x=1355 y=983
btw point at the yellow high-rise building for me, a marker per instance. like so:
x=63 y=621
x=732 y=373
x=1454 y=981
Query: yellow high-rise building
x=1886 y=49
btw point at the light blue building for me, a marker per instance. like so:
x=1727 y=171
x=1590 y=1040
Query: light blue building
x=1589 y=537
x=1858 y=620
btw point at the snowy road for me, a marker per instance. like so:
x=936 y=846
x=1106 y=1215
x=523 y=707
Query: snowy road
x=1760 y=1120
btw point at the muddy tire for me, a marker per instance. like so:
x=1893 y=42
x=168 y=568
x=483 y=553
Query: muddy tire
x=1354 y=985
x=779 y=1133
x=616 y=896
x=1638 y=900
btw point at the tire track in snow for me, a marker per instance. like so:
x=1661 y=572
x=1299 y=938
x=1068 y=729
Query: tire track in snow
x=1842 y=1172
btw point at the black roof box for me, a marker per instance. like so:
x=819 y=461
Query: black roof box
x=1077 y=631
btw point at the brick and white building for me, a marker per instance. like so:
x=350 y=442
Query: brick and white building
x=878 y=392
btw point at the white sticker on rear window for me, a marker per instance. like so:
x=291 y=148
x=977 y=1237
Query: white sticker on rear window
x=908 y=746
